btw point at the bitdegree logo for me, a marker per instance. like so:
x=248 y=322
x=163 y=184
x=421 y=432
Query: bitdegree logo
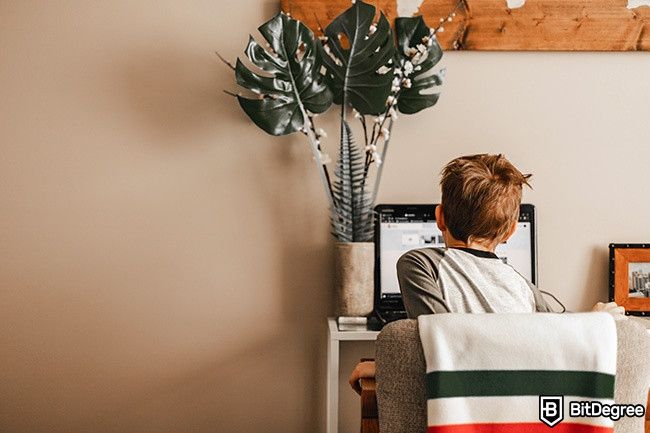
x=551 y=409
x=593 y=409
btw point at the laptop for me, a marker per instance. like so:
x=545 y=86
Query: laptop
x=402 y=227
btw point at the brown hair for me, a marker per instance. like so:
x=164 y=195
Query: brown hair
x=481 y=195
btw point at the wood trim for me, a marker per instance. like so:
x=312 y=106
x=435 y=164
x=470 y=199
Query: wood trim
x=369 y=412
x=647 y=415
x=623 y=256
x=371 y=426
x=539 y=25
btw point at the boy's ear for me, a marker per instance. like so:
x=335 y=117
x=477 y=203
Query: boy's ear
x=512 y=231
x=440 y=218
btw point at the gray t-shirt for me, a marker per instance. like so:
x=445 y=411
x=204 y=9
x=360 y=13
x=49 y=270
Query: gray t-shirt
x=463 y=280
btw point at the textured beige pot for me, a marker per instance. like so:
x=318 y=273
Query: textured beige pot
x=354 y=276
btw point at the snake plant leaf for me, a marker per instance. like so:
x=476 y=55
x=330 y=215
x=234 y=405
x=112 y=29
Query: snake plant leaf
x=417 y=47
x=358 y=57
x=352 y=220
x=289 y=81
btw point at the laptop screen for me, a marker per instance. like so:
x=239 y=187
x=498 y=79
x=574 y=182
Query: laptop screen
x=405 y=227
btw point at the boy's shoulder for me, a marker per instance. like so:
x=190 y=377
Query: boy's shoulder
x=431 y=259
x=425 y=252
x=435 y=254
x=421 y=257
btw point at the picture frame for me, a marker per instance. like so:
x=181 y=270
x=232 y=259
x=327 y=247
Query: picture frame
x=629 y=277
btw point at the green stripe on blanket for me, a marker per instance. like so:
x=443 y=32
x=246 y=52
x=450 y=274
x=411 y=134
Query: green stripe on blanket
x=483 y=383
x=486 y=371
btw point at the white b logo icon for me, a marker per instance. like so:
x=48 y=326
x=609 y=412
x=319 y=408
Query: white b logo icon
x=551 y=409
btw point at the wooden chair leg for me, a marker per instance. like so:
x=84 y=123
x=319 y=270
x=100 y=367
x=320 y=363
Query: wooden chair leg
x=369 y=413
x=647 y=415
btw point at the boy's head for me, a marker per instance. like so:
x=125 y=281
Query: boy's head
x=481 y=195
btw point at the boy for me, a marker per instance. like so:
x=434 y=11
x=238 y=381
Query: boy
x=481 y=195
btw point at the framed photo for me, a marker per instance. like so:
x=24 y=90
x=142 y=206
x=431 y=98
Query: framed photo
x=629 y=277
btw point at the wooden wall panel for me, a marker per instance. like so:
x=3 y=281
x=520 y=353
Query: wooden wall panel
x=539 y=25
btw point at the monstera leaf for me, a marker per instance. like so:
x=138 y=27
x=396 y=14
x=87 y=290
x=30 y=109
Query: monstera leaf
x=359 y=58
x=352 y=219
x=417 y=54
x=290 y=84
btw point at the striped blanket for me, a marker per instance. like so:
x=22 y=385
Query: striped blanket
x=485 y=372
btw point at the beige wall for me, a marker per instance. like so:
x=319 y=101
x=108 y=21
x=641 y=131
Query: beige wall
x=165 y=266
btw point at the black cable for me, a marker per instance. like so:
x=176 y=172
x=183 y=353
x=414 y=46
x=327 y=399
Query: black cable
x=556 y=300
x=381 y=318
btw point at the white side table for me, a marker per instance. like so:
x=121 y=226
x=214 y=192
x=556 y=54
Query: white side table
x=334 y=338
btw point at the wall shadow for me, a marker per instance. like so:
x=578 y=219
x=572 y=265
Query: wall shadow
x=296 y=204
x=176 y=93
x=174 y=96
x=595 y=288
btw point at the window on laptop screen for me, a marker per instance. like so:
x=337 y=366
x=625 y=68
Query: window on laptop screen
x=399 y=234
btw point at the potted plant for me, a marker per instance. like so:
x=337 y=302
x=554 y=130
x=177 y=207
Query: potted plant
x=372 y=74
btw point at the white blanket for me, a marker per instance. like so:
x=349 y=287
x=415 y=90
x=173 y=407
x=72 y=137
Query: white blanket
x=486 y=372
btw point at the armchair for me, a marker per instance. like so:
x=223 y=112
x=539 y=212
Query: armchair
x=395 y=401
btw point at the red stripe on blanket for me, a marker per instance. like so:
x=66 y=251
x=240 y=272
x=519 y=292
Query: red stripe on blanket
x=521 y=427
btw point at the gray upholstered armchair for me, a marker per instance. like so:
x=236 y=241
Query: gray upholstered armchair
x=395 y=402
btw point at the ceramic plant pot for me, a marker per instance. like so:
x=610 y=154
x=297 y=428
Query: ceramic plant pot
x=355 y=283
